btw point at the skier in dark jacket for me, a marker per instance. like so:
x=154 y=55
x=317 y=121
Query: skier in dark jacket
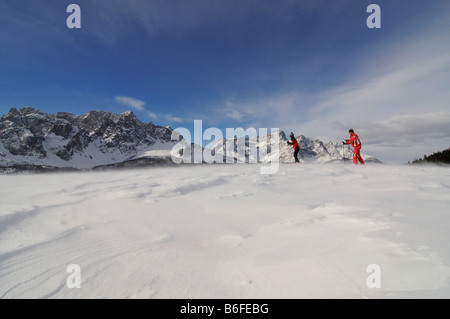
x=296 y=147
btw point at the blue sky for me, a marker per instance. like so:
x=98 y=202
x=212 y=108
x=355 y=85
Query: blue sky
x=312 y=67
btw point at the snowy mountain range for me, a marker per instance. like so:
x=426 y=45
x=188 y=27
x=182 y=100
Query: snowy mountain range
x=30 y=138
x=311 y=149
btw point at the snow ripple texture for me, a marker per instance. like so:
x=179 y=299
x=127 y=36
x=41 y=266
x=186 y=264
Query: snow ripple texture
x=225 y=231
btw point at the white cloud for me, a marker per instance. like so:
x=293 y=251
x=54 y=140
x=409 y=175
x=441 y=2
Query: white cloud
x=265 y=110
x=233 y=113
x=135 y=104
x=131 y=102
x=422 y=85
x=237 y=111
x=175 y=119
x=152 y=115
x=140 y=106
x=408 y=129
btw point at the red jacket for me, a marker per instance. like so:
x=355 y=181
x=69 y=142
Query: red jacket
x=294 y=144
x=354 y=141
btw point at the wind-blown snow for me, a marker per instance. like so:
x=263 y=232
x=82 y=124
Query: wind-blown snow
x=225 y=231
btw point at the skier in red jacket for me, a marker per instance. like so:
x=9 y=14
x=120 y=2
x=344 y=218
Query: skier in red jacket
x=356 y=143
x=296 y=147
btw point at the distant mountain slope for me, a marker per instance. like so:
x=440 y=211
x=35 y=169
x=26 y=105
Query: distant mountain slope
x=32 y=137
x=312 y=149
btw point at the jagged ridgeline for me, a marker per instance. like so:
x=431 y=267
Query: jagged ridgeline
x=32 y=140
x=312 y=149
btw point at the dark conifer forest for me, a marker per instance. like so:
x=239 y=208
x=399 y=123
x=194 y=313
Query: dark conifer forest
x=438 y=158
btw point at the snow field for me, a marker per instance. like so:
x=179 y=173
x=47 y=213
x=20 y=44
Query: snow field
x=225 y=231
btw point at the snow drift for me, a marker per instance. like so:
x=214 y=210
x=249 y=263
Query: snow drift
x=225 y=231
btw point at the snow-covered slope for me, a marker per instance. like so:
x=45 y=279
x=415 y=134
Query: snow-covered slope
x=32 y=137
x=225 y=231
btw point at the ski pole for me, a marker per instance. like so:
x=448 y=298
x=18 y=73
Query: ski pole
x=343 y=154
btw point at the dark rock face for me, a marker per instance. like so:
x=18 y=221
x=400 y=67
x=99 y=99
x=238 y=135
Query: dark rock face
x=35 y=135
x=18 y=133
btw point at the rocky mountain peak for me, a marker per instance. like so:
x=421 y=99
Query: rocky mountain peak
x=31 y=136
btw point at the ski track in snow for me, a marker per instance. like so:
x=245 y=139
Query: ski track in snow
x=225 y=231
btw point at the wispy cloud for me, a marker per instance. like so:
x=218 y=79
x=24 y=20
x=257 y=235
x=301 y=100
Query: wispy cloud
x=265 y=110
x=173 y=119
x=152 y=115
x=111 y=23
x=139 y=105
x=408 y=129
x=407 y=137
x=131 y=102
x=136 y=104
